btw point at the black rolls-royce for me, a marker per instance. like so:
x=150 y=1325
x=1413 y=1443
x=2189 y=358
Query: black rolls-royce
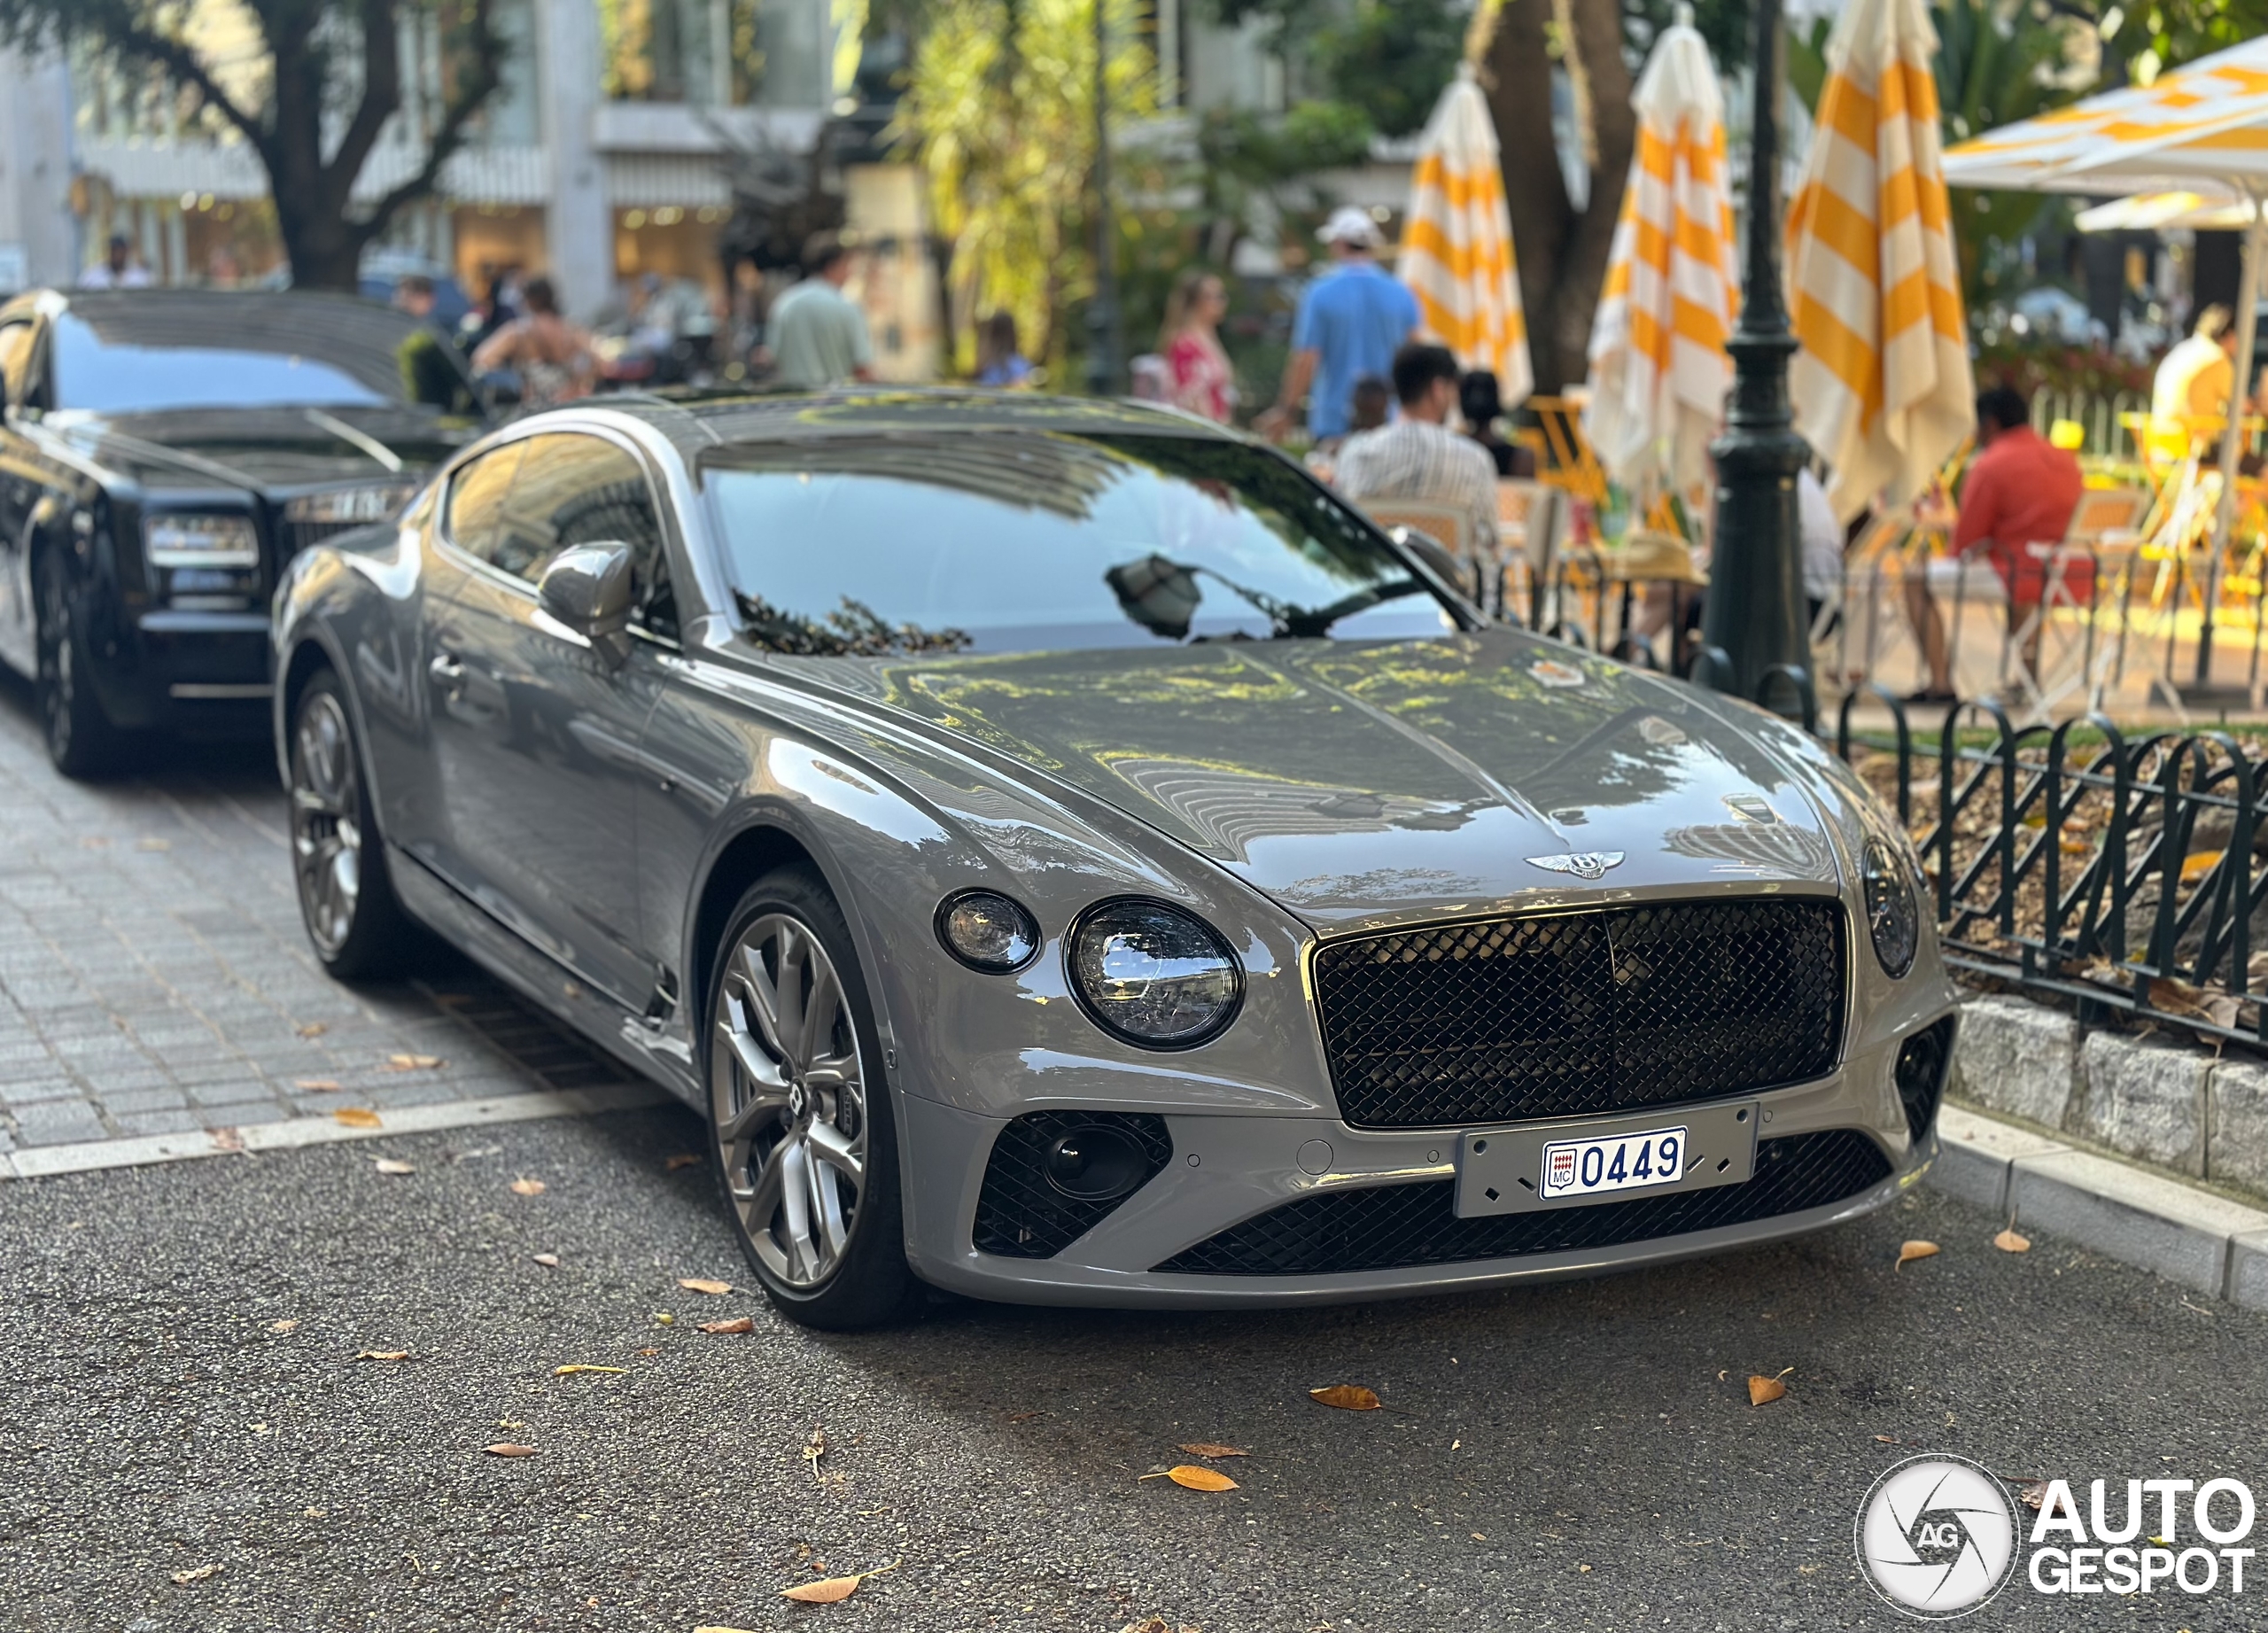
x=163 y=455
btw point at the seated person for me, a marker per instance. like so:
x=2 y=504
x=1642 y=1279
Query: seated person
x=1482 y=401
x=2020 y=491
x=1420 y=459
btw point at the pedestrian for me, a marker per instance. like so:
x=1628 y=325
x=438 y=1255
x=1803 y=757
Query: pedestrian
x=1482 y=401
x=1419 y=458
x=818 y=335
x=1000 y=361
x=2193 y=384
x=551 y=356
x=118 y=270
x=2020 y=491
x=429 y=374
x=1199 y=378
x=1351 y=322
x=493 y=312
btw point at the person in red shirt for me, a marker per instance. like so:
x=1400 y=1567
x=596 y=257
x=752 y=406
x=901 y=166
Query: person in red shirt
x=2020 y=492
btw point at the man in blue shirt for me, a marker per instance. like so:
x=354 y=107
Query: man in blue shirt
x=1351 y=322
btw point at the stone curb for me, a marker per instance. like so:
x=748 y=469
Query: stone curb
x=2177 y=1231
x=38 y=1161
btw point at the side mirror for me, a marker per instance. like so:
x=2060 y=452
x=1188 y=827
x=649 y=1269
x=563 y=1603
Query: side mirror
x=588 y=587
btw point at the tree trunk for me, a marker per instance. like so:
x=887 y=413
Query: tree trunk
x=1562 y=251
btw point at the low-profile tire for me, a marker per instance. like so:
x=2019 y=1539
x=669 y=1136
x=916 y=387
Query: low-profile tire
x=801 y=1132
x=82 y=741
x=346 y=900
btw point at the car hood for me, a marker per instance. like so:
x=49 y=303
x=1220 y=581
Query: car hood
x=261 y=450
x=1371 y=782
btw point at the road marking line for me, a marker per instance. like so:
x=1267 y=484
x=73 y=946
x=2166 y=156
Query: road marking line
x=38 y=1162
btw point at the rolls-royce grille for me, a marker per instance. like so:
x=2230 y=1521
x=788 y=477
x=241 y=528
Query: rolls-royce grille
x=1396 y=1227
x=1573 y=1013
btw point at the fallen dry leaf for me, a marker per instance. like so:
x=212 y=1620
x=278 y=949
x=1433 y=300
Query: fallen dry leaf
x=313 y=1029
x=509 y=1449
x=382 y=1355
x=814 y=1449
x=737 y=1324
x=649 y=1351
x=702 y=1284
x=2008 y=1242
x=834 y=1589
x=2197 y=864
x=1208 y=1449
x=1762 y=1390
x=1198 y=1478
x=527 y=1187
x=1346 y=1397
x=683 y=1159
x=549 y=1261
x=2174 y=997
x=413 y=1062
x=153 y=845
x=392 y=1165
x=317 y=1085
x=573 y=1367
x=1908 y=1252
x=1887 y=1440
x=2034 y=1493
x=285 y=1325
x=182 y=1579
x=227 y=1139
x=357 y=1116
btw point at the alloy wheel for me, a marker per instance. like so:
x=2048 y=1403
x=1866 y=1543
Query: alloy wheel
x=326 y=822
x=57 y=679
x=788 y=1099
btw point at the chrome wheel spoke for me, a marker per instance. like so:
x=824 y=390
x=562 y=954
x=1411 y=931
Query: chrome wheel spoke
x=735 y=1129
x=833 y=1072
x=795 y=1207
x=835 y=1149
x=326 y=822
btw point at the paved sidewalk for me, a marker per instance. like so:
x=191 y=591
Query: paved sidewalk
x=154 y=979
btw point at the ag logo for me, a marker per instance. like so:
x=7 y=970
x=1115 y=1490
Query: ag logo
x=1937 y=1537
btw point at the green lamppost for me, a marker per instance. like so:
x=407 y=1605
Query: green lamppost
x=1754 y=622
x=1106 y=343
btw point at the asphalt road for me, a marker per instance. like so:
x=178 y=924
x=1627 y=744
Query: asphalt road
x=1579 y=1455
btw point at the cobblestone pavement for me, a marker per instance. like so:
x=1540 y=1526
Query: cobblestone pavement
x=154 y=979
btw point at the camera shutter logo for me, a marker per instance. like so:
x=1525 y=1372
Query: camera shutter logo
x=1937 y=1536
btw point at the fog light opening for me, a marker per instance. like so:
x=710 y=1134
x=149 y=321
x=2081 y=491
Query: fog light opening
x=1095 y=1162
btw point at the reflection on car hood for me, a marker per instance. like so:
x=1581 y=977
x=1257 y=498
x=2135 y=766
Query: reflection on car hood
x=1359 y=780
x=260 y=450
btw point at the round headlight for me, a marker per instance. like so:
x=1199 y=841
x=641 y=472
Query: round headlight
x=1153 y=975
x=1894 y=911
x=988 y=931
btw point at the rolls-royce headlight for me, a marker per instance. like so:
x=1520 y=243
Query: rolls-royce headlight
x=1893 y=908
x=988 y=931
x=1153 y=973
x=189 y=538
x=350 y=507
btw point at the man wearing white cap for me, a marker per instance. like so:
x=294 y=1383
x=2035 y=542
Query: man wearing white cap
x=1351 y=322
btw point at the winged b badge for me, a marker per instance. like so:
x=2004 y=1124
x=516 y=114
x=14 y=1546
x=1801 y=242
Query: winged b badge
x=1583 y=864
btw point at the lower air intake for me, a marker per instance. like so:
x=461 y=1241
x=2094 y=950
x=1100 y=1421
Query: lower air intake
x=1055 y=1175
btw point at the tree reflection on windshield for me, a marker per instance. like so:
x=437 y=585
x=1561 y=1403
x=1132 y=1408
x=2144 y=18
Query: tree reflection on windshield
x=852 y=630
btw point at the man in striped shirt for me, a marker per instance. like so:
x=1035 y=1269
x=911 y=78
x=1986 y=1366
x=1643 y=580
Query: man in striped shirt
x=1418 y=458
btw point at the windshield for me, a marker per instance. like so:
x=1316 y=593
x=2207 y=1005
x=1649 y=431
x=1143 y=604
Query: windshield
x=146 y=350
x=1023 y=541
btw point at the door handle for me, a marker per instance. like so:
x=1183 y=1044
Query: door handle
x=448 y=669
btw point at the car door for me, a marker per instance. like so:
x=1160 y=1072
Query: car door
x=22 y=486
x=535 y=729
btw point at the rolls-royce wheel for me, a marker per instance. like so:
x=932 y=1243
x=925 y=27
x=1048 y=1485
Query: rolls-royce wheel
x=346 y=901
x=803 y=1134
x=81 y=740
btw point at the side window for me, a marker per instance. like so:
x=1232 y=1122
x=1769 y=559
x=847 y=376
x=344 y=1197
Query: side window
x=15 y=359
x=477 y=496
x=574 y=489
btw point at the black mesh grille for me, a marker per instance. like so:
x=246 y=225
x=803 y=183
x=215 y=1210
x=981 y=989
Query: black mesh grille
x=1922 y=1075
x=1395 y=1227
x=1018 y=1215
x=1581 y=1013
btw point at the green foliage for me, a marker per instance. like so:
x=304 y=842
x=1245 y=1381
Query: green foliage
x=1727 y=26
x=2153 y=35
x=1390 y=58
x=999 y=113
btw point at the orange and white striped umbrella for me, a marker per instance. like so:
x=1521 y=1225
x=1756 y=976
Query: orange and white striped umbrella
x=1658 y=368
x=1882 y=385
x=2208 y=119
x=1456 y=242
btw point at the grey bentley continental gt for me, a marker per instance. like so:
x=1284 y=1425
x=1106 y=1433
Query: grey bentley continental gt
x=1068 y=856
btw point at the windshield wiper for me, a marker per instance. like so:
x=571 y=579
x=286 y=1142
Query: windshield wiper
x=1300 y=624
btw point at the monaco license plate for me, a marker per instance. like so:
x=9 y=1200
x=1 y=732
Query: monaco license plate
x=1568 y=1164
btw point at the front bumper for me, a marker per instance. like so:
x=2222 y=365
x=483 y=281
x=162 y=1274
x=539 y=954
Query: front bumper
x=206 y=674
x=1229 y=1169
